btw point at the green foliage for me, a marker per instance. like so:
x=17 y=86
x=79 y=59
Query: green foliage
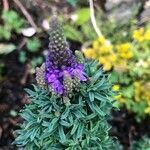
x=33 y=45
x=11 y=22
x=36 y=61
x=22 y=56
x=72 y=2
x=72 y=34
x=82 y=16
x=79 y=27
x=81 y=124
x=142 y=144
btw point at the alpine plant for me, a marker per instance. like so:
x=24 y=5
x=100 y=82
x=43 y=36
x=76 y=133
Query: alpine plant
x=69 y=105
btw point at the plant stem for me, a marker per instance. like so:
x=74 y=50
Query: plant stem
x=93 y=20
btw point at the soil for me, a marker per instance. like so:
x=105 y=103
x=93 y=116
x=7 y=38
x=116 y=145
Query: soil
x=127 y=129
x=12 y=97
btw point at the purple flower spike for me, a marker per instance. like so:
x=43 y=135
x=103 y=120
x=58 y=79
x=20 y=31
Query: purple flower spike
x=60 y=59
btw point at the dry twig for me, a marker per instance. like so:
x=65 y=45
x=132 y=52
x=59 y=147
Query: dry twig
x=26 y=14
x=5 y=5
x=93 y=20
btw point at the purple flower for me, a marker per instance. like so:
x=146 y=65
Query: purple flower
x=60 y=59
x=52 y=78
x=57 y=86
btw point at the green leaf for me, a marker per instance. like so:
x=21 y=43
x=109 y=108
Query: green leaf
x=100 y=97
x=61 y=134
x=128 y=91
x=65 y=113
x=114 y=77
x=22 y=57
x=78 y=114
x=83 y=15
x=75 y=126
x=12 y=20
x=98 y=110
x=33 y=133
x=64 y=123
x=99 y=84
x=97 y=75
x=5 y=33
x=80 y=130
x=91 y=96
x=33 y=45
x=95 y=108
x=72 y=33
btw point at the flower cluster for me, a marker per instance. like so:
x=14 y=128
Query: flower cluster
x=142 y=94
x=130 y=65
x=60 y=62
x=109 y=55
x=141 y=35
x=119 y=97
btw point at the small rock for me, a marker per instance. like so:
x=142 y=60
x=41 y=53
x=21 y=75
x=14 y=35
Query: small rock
x=45 y=24
x=121 y=10
x=145 y=16
x=28 y=32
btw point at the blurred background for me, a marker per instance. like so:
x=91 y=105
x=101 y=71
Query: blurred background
x=114 y=32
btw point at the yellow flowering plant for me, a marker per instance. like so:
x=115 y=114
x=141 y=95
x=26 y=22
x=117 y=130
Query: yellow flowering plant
x=130 y=66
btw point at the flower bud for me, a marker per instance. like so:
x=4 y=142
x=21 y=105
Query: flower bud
x=40 y=75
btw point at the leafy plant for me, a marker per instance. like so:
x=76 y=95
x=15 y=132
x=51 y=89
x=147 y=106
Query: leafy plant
x=70 y=105
x=129 y=63
x=33 y=45
x=22 y=56
x=11 y=22
x=142 y=144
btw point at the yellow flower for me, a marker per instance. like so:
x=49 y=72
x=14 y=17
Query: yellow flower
x=102 y=40
x=106 y=64
x=147 y=35
x=126 y=55
x=137 y=91
x=119 y=98
x=139 y=34
x=147 y=110
x=137 y=84
x=116 y=87
x=148 y=103
x=96 y=44
x=90 y=53
x=123 y=47
x=129 y=55
x=124 y=50
x=104 y=49
x=113 y=58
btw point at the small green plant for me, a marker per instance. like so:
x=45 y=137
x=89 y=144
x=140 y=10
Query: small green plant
x=33 y=45
x=70 y=105
x=142 y=144
x=11 y=22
